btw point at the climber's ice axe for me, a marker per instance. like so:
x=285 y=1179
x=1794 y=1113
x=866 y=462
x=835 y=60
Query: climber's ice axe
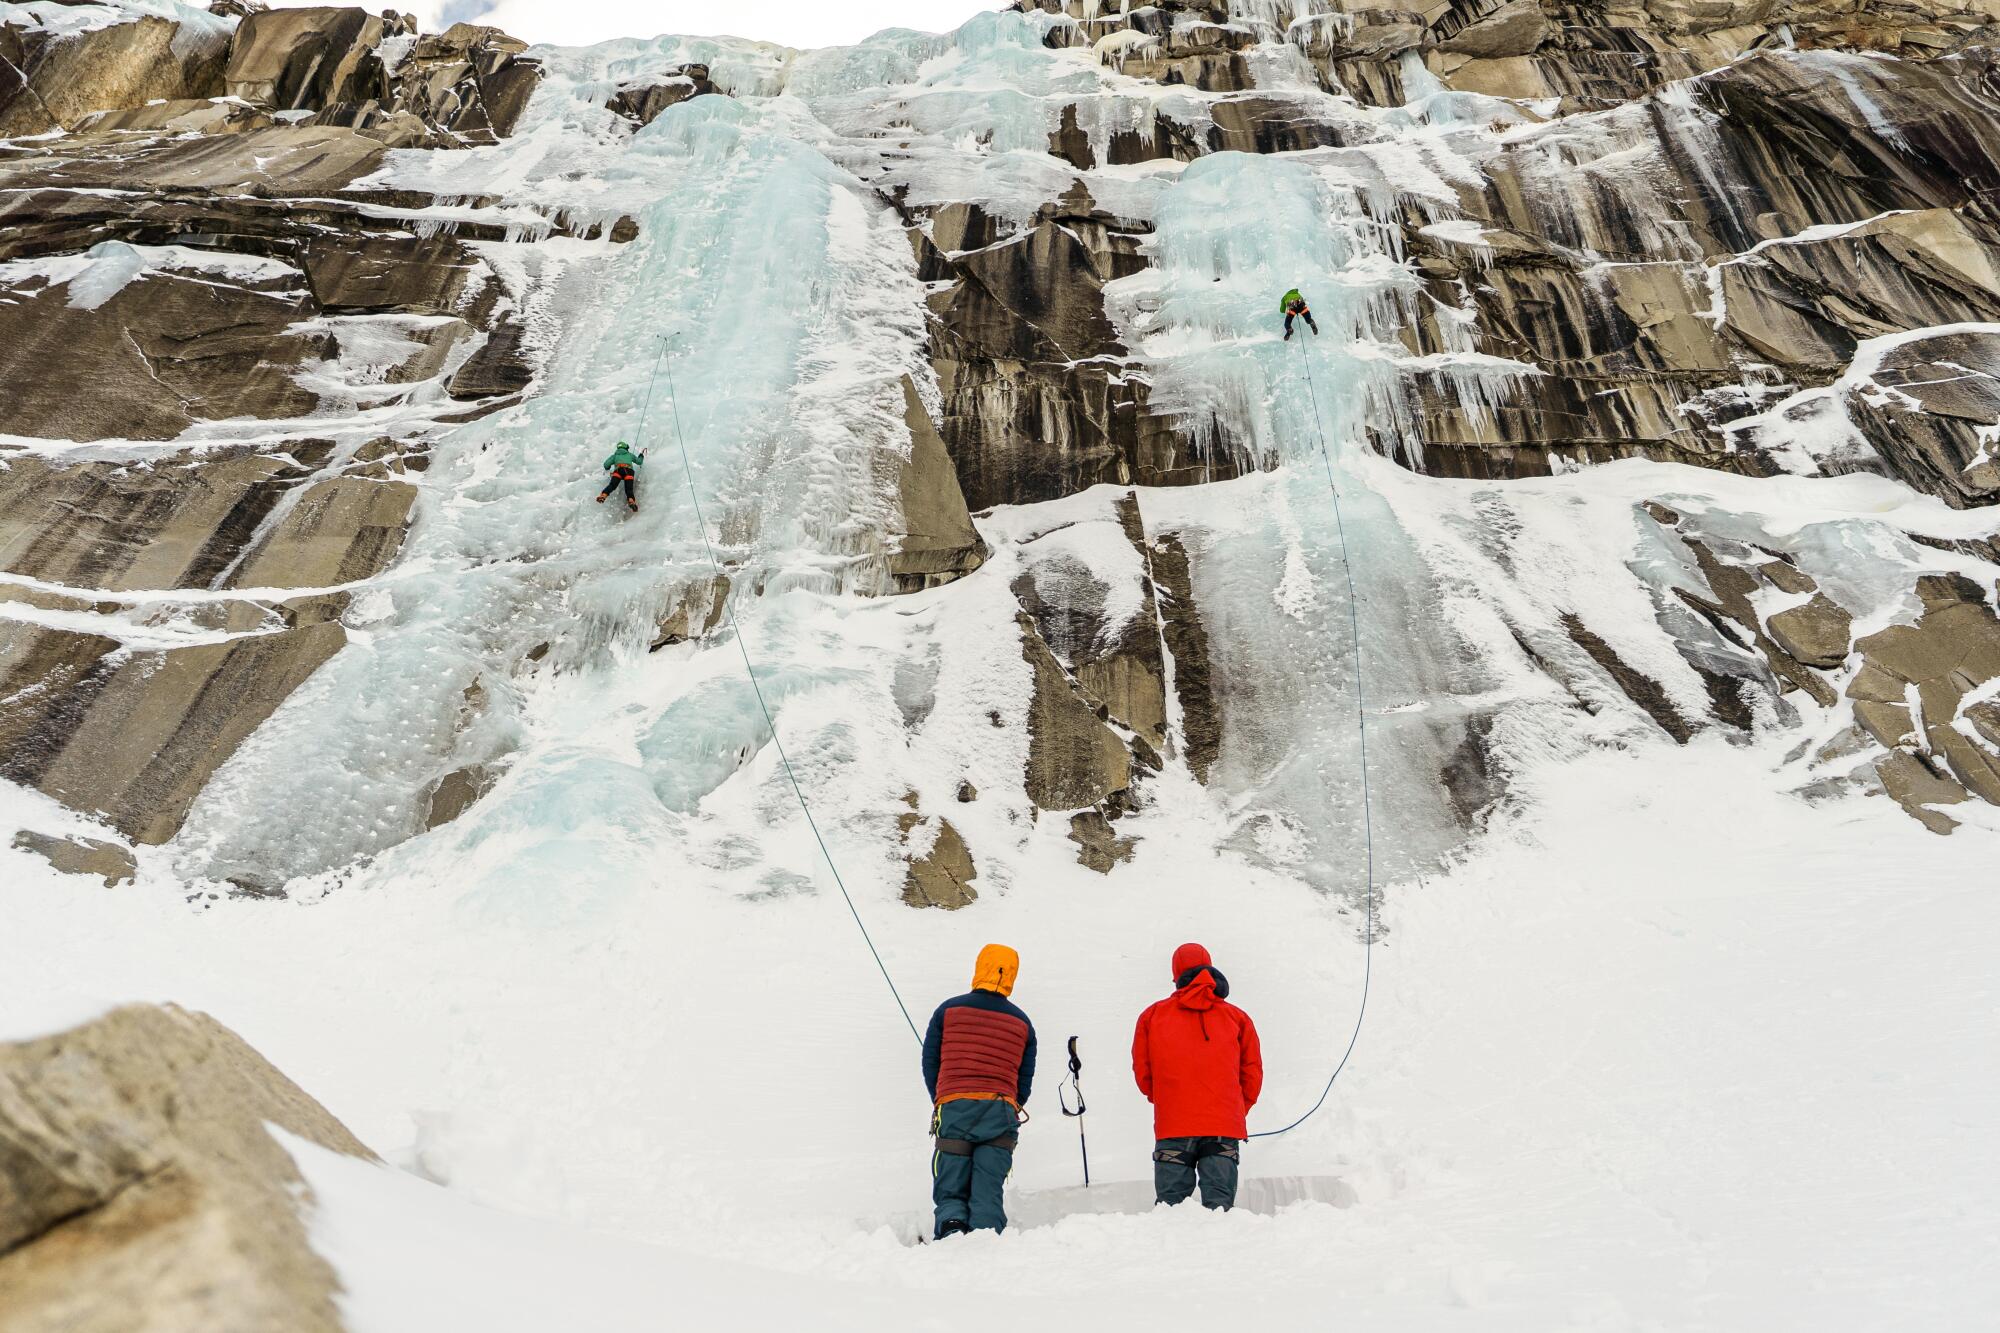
x=1067 y=1090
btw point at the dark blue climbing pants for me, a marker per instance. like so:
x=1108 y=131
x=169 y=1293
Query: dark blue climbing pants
x=629 y=479
x=1179 y=1163
x=974 y=1153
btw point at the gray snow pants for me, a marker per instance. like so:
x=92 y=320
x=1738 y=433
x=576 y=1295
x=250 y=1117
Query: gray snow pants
x=1179 y=1163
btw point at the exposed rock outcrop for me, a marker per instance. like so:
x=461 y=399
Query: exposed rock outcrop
x=169 y=347
x=53 y=78
x=1100 y=846
x=1925 y=693
x=1731 y=610
x=1921 y=693
x=1817 y=634
x=464 y=85
x=201 y=261
x=1587 y=55
x=456 y=792
x=1120 y=651
x=81 y=856
x=1652 y=354
x=1117 y=665
x=1637 y=686
x=642 y=103
x=1074 y=759
x=134 y=736
x=939 y=544
x=939 y=868
x=1930 y=411
x=1726 y=278
x=293 y=59
x=140 y=1187
x=1185 y=638
x=696 y=612
x=469 y=82
x=1035 y=403
x=124 y=723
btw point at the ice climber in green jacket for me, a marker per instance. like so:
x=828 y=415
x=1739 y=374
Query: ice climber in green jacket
x=1294 y=306
x=624 y=465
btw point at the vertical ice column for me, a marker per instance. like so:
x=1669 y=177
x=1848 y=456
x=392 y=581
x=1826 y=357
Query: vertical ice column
x=1233 y=234
x=791 y=297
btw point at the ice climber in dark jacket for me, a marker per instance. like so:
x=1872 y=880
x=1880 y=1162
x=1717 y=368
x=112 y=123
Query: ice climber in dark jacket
x=979 y=1063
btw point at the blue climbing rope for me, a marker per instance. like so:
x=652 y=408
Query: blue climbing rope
x=805 y=807
x=750 y=669
x=1361 y=726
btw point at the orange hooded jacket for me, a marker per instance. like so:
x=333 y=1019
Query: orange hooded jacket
x=979 y=1045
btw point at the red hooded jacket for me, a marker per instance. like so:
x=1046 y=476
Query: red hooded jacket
x=1196 y=1056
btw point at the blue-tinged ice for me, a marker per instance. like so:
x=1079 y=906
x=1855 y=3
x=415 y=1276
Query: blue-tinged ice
x=779 y=299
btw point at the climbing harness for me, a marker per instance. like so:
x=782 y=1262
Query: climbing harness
x=944 y=1147
x=1200 y=1148
x=1070 y=1089
x=750 y=669
x=964 y=1147
x=1361 y=726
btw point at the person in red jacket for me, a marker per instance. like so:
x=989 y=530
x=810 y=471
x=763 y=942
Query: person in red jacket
x=1196 y=1058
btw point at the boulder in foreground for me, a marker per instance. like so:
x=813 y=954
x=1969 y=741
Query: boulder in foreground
x=141 y=1190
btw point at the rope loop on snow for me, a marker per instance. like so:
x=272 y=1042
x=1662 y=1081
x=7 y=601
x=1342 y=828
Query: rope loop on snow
x=750 y=669
x=1361 y=726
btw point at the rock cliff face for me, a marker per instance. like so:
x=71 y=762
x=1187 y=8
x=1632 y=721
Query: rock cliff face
x=259 y=270
x=1652 y=334
x=1668 y=254
x=1035 y=407
x=1755 y=238
x=184 y=243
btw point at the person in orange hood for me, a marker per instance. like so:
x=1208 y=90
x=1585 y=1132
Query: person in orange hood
x=1197 y=1059
x=979 y=1064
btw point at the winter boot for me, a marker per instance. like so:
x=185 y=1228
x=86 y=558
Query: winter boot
x=601 y=495
x=956 y=1227
x=632 y=505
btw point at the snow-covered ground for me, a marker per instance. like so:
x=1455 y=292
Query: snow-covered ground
x=1666 y=1047
x=1672 y=1050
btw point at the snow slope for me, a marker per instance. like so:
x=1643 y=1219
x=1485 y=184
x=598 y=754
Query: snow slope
x=1613 y=1077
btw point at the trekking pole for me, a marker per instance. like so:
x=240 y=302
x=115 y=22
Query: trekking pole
x=1071 y=1088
